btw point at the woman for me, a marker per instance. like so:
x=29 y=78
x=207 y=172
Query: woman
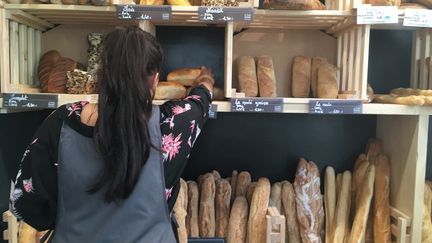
x=93 y=172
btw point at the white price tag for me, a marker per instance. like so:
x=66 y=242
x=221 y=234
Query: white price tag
x=367 y=14
x=418 y=18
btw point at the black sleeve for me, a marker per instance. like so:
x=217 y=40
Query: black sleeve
x=181 y=124
x=33 y=196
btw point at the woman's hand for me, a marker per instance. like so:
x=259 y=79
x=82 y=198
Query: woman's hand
x=205 y=78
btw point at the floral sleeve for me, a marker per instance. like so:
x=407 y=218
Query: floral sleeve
x=181 y=123
x=33 y=195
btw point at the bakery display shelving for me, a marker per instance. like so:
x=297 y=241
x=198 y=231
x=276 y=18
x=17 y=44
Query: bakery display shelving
x=28 y=30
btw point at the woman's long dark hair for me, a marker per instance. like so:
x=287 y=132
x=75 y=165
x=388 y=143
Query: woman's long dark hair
x=130 y=58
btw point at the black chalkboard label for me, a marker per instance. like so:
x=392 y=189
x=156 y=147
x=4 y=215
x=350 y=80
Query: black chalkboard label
x=225 y=14
x=260 y=105
x=213 y=111
x=29 y=101
x=206 y=240
x=335 y=107
x=141 y=12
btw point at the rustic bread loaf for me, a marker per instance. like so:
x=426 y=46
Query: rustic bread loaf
x=169 y=91
x=207 y=223
x=58 y=76
x=247 y=76
x=290 y=210
x=275 y=196
x=192 y=212
x=243 y=181
x=341 y=219
x=233 y=182
x=238 y=221
x=382 y=227
x=250 y=191
x=184 y=76
x=222 y=206
x=301 y=77
x=328 y=81
x=180 y=209
x=46 y=64
x=330 y=202
x=266 y=77
x=316 y=63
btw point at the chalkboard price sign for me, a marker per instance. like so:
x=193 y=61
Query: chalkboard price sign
x=29 y=101
x=335 y=107
x=225 y=14
x=204 y=240
x=140 y=12
x=213 y=111
x=259 y=105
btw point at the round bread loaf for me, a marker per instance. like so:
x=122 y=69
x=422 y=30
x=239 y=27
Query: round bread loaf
x=46 y=64
x=58 y=75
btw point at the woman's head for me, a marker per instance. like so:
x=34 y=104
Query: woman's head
x=131 y=61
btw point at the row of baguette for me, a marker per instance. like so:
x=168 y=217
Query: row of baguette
x=406 y=96
x=308 y=74
x=355 y=208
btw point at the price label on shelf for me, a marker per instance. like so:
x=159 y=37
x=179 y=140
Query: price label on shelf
x=213 y=111
x=140 y=12
x=335 y=107
x=225 y=14
x=418 y=18
x=30 y=101
x=367 y=14
x=259 y=105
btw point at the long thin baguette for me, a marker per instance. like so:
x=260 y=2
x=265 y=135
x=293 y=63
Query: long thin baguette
x=275 y=195
x=359 y=174
x=180 y=208
x=243 y=181
x=192 y=212
x=338 y=185
x=330 y=202
x=206 y=207
x=250 y=191
x=257 y=214
x=290 y=210
x=222 y=206
x=374 y=147
x=341 y=219
x=382 y=228
x=238 y=222
x=234 y=176
x=363 y=205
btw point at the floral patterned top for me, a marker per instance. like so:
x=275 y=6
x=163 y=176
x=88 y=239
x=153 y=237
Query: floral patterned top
x=33 y=195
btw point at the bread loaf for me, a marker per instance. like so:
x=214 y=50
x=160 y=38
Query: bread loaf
x=290 y=210
x=316 y=63
x=218 y=94
x=234 y=175
x=170 y=91
x=341 y=219
x=257 y=223
x=301 y=72
x=58 y=75
x=222 y=205
x=310 y=212
x=207 y=224
x=359 y=174
x=243 y=181
x=361 y=158
x=374 y=147
x=27 y=234
x=406 y=100
x=266 y=77
x=46 y=64
x=180 y=208
x=275 y=195
x=184 y=76
x=427 y=223
x=382 y=230
x=328 y=81
x=192 y=212
x=338 y=185
x=330 y=202
x=238 y=221
x=247 y=76
x=250 y=191
x=363 y=204
x=216 y=175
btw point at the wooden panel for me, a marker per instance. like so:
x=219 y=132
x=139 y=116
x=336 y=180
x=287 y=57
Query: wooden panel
x=339 y=60
x=37 y=54
x=415 y=52
x=31 y=56
x=364 y=61
x=407 y=151
x=357 y=61
x=351 y=54
x=4 y=52
x=344 y=78
x=23 y=55
x=283 y=46
x=229 y=32
x=14 y=52
x=11 y=234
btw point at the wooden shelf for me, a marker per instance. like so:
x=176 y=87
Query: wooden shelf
x=291 y=105
x=49 y=15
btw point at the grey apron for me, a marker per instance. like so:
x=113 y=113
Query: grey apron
x=87 y=218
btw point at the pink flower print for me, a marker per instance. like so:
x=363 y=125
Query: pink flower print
x=193 y=97
x=168 y=192
x=178 y=109
x=28 y=185
x=170 y=146
x=192 y=126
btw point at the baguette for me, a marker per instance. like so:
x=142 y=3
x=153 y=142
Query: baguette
x=222 y=206
x=374 y=147
x=27 y=234
x=243 y=181
x=338 y=185
x=234 y=175
x=363 y=205
x=180 y=208
x=382 y=227
x=275 y=196
x=330 y=202
x=216 y=175
x=250 y=191
x=192 y=212
x=238 y=221
x=290 y=210
x=341 y=219
x=359 y=159
x=358 y=179
x=207 y=224
x=406 y=100
x=257 y=223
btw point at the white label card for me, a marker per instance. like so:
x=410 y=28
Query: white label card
x=418 y=18
x=367 y=14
